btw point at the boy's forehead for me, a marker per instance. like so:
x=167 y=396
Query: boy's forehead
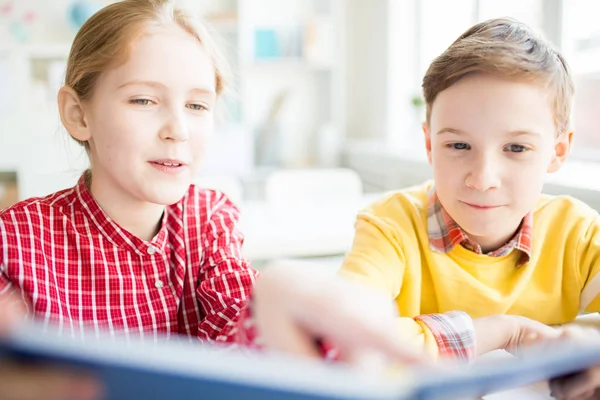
x=482 y=102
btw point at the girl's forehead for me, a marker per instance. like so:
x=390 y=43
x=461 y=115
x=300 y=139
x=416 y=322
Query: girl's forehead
x=171 y=56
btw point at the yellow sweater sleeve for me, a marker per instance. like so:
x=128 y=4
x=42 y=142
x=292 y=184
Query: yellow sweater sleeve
x=377 y=260
x=588 y=258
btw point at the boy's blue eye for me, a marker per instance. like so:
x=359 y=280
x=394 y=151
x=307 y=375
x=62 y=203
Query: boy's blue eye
x=516 y=148
x=459 y=146
x=141 y=102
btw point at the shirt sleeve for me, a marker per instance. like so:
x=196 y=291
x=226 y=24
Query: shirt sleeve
x=9 y=292
x=588 y=258
x=226 y=280
x=454 y=334
x=377 y=260
x=6 y=285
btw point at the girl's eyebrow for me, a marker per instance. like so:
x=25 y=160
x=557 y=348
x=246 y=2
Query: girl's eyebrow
x=159 y=85
x=143 y=83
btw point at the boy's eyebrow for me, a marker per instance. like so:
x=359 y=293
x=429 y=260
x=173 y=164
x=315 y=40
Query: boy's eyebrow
x=161 y=86
x=511 y=133
x=451 y=130
x=523 y=133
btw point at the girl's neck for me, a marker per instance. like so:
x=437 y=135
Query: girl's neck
x=140 y=218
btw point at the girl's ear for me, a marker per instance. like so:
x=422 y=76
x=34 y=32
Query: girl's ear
x=72 y=114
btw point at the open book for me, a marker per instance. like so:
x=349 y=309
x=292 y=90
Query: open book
x=134 y=369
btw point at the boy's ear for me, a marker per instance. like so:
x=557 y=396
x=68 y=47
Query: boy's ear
x=562 y=148
x=425 y=127
x=72 y=114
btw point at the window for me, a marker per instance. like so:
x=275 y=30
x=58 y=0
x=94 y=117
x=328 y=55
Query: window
x=438 y=24
x=581 y=44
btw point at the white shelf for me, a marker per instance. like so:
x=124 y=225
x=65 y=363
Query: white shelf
x=287 y=63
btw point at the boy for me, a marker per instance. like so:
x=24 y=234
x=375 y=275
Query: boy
x=481 y=238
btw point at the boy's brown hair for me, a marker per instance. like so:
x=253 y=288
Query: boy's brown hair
x=507 y=48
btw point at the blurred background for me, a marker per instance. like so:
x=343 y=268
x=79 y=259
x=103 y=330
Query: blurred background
x=324 y=114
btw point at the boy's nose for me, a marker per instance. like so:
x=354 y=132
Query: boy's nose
x=484 y=176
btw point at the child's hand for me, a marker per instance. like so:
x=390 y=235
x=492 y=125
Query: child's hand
x=580 y=333
x=585 y=384
x=525 y=332
x=581 y=386
x=510 y=333
x=26 y=382
x=295 y=309
x=20 y=382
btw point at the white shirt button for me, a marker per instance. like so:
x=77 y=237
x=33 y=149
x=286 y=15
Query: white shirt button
x=159 y=284
x=151 y=250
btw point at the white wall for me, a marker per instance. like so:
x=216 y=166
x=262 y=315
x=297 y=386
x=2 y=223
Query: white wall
x=33 y=143
x=367 y=77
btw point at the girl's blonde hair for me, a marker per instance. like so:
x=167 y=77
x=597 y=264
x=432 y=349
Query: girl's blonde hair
x=104 y=39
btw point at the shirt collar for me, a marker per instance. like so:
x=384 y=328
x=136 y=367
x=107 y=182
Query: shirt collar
x=444 y=233
x=112 y=231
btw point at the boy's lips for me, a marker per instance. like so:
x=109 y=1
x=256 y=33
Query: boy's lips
x=481 y=206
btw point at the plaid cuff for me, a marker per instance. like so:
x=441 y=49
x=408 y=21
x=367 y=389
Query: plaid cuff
x=246 y=334
x=454 y=333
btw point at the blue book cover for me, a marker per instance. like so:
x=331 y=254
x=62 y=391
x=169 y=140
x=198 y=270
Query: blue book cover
x=169 y=369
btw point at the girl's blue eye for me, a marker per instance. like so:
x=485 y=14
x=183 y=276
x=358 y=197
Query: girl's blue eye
x=197 y=107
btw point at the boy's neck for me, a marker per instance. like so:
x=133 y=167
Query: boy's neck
x=142 y=219
x=491 y=244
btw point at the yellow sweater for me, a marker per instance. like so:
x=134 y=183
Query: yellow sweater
x=391 y=253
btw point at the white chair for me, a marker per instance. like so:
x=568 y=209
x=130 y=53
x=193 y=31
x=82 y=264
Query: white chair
x=308 y=217
x=306 y=187
x=320 y=265
x=228 y=185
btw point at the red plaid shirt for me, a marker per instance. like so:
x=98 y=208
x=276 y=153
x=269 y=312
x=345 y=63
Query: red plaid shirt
x=77 y=268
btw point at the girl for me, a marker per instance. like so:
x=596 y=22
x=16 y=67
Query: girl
x=134 y=247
